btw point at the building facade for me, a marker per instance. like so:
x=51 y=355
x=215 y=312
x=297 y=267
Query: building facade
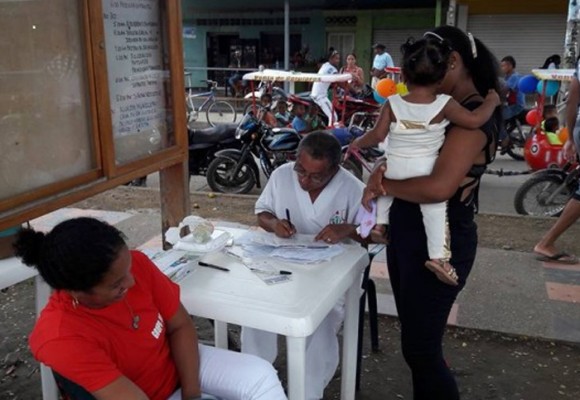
x=530 y=31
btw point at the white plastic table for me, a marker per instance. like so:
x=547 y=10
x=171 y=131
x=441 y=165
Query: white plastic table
x=293 y=309
x=12 y=271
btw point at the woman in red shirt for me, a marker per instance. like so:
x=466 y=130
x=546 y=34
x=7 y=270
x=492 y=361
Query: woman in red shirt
x=114 y=324
x=358 y=76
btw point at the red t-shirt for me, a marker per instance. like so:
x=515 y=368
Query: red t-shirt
x=94 y=347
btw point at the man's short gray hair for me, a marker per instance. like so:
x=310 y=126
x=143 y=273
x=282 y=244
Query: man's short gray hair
x=322 y=145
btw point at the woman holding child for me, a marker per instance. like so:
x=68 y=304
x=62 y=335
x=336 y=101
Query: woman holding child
x=423 y=301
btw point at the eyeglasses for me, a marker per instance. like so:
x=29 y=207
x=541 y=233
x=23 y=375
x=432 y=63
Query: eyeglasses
x=316 y=178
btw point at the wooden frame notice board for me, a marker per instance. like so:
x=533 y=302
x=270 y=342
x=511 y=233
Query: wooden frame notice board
x=114 y=108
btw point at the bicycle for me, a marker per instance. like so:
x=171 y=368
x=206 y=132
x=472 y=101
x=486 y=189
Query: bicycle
x=218 y=111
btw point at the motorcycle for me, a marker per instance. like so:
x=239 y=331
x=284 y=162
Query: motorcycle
x=547 y=191
x=205 y=143
x=236 y=171
x=517 y=135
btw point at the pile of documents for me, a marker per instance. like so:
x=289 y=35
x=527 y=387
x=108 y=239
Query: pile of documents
x=176 y=264
x=300 y=248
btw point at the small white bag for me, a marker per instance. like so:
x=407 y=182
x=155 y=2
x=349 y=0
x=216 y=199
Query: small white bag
x=202 y=237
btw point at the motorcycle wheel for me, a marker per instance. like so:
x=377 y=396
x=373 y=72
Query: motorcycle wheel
x=220 y=112
x=220 y=179
x=516 y=152
x=517 y=141
x=531 y=198
x=354 y=168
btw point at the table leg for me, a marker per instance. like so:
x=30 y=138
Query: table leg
x=221 y=334
x=349 y=340
x=296 y=347
x=49 y=389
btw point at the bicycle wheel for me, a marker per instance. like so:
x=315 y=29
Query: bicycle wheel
x=220 y=112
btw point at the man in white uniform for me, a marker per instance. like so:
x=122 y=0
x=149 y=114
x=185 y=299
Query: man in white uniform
x=322 y=199
x=320 y=89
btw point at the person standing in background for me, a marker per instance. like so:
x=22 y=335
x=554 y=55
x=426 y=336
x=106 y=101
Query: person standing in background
x=320 y=89
x=515 y=99
x=358 y=76
x=381 y=61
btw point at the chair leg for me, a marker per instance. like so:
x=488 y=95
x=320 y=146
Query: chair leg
x=373 y=315
x=361 y=321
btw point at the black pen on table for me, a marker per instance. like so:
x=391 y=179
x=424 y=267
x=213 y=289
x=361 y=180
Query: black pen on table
x=204 y=264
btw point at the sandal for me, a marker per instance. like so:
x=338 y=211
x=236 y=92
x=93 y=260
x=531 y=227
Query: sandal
x=448 y=276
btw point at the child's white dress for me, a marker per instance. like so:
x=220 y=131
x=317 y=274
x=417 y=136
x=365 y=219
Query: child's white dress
x=413 y=147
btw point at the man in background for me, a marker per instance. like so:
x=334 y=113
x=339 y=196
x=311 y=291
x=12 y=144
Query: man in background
x=381 y=61
x=515 y=99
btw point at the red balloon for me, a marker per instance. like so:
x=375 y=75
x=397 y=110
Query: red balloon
x=533 y=117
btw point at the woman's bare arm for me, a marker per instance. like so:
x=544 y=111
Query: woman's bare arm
x=183 y=343
x=459 y=152
x=120 y=388
x=461 y=116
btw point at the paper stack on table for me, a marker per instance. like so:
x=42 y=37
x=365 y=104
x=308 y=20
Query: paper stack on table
x=173 y=263
x=300 y=248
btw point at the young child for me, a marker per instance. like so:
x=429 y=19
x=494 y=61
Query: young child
x=551 y=127
x=264 y=112
x=417 y=123
x=282 y=115
x=299 y=122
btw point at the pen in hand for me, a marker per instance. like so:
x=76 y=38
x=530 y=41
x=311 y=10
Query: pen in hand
x=289 y=221
x=204 y=264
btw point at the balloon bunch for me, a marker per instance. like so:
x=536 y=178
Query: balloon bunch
x=530 y=84
x=387 y=87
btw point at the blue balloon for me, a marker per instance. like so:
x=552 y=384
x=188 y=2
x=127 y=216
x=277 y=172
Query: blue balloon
x=528 y=84
x=551 y=88
x=378 y=97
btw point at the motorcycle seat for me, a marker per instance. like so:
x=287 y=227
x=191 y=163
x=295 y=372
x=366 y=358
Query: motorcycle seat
x=212 y=134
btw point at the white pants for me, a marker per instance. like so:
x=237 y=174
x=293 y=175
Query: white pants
x=326 y=106
x=434 y=214
x=234 y=376
x=322 y=353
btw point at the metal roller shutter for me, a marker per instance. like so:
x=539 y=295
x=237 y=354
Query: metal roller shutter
x=394 y=38
x=530 y=39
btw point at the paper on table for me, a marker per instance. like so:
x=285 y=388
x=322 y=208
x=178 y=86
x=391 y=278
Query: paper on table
x=175 y=264
x=262 y=268
x=299 y=240
x=310 y=255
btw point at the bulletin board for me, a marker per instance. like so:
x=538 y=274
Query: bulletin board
x=92 y=97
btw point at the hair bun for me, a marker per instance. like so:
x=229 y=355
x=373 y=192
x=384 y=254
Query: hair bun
x=28 y=246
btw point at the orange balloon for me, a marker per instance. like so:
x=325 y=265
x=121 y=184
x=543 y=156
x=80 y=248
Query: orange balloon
x=563 y=134
x=386 y=87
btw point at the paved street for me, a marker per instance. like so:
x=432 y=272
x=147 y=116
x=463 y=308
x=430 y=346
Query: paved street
x=496 y=194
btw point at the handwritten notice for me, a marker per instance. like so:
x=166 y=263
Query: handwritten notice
x=134 y=49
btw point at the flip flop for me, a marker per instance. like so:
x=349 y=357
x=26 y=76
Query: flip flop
x=561 y=257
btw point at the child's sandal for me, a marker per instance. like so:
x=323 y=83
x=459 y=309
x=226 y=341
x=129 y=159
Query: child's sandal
x=448 y=276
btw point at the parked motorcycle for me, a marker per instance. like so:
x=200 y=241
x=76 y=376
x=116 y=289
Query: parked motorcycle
x=518 y=133
x=205 y=143
x=547 y=191
x=236 y=171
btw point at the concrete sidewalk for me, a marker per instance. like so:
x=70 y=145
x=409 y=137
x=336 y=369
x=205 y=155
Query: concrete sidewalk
x=507 y=291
